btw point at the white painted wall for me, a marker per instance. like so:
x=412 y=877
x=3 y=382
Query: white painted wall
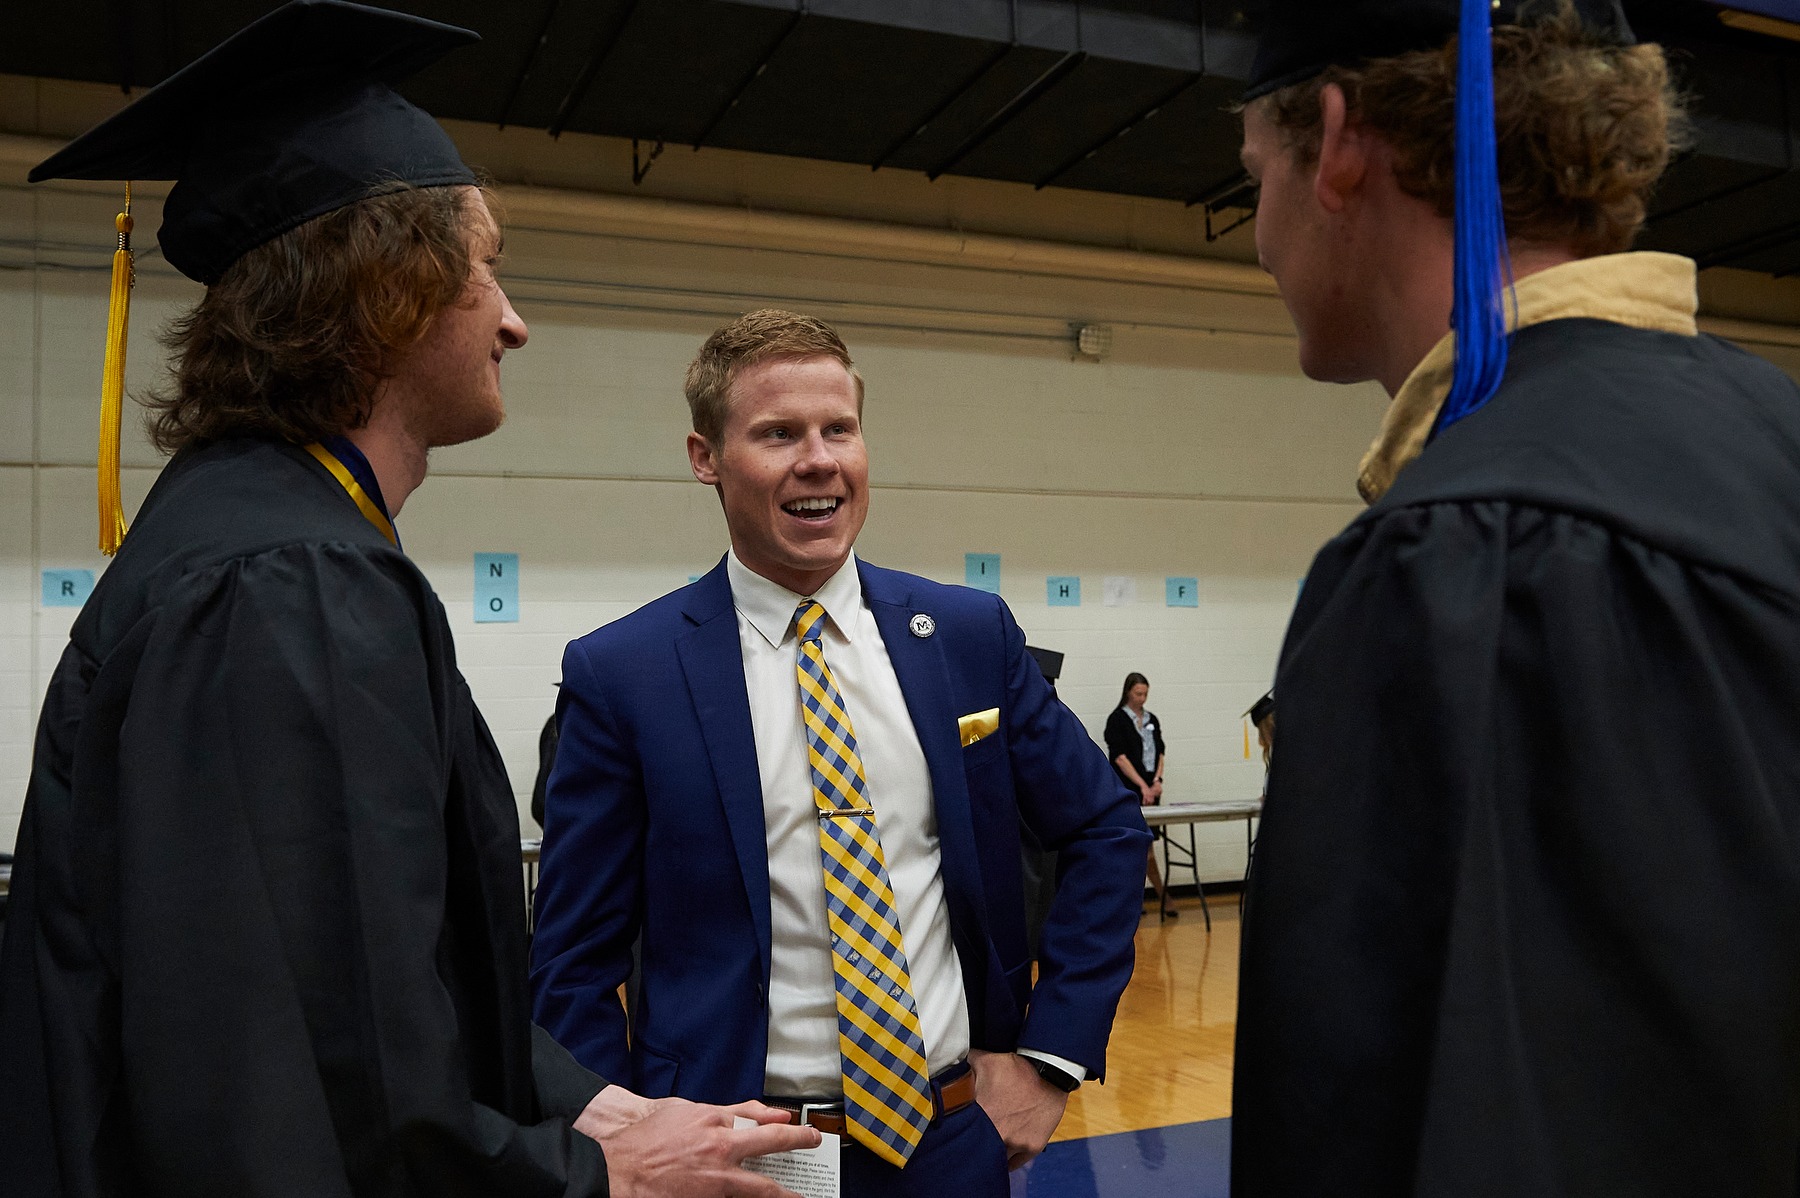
x=1196 y=449
x=1188 y=452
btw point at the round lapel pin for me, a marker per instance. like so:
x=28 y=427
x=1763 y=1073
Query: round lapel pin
x=922 y=625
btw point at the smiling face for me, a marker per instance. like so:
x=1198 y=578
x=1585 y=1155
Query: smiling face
x=452 y=376
x=790 y=468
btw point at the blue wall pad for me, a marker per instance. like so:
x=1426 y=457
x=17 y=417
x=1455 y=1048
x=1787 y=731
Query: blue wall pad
x=1189 y=1160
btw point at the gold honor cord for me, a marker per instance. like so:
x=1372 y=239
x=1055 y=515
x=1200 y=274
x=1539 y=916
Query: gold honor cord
x=369 y=508
x=112 y=385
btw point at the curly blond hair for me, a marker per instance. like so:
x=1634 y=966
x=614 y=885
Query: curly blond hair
x=1585 y=127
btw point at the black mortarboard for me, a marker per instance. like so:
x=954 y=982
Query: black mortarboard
x=1262 y=709
x=1300 y=38
x=291 y=118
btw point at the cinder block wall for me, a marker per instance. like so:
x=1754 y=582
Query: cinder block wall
x=1187 y=452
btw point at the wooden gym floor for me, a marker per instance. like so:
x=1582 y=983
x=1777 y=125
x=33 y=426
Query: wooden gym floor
x=1169 y=1060
x=1159 y=1127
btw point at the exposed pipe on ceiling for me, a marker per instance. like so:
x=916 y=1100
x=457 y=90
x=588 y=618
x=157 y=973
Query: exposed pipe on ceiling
x=537 y=49
x=1121 y=130
x=755 y=74
x=604 y=45
x=1033 y=92
x=949 y=101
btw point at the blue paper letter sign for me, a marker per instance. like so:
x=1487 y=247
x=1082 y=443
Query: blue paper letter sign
x=496 y=588
x=67 y=588
x=982 y=571
x=1063 y=591
x=1183 y=592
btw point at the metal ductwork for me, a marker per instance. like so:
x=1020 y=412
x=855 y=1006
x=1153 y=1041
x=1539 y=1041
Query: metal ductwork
x=1123 y=96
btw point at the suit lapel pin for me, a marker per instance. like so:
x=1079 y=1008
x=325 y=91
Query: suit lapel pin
x=922 y=625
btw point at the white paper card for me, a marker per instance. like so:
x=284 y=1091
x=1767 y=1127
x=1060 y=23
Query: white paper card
x=1118 y=590
x=809 y=1172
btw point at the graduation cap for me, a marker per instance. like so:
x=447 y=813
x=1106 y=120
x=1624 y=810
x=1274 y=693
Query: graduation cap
x=1262 y=709
x=1301 y=38
x=292 y=117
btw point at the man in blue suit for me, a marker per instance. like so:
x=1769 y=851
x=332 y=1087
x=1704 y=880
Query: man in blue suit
x=793 y=791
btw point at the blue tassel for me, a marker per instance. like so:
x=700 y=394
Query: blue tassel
x=1483 y=266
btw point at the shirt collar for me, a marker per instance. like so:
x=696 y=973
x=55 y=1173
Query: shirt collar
x=1644 y=290
x=770 y=607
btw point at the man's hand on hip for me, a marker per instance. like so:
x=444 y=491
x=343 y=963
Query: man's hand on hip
x=1023 y=1106
x=673 y=1148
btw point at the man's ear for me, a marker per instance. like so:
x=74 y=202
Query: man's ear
x=1343 y=152
x=702 y=460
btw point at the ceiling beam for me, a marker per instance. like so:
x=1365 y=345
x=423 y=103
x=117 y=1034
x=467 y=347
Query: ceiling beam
x=762 y=65
x=1119 y=131
x=1032 y=93
x=1757 y=243
x=604 y=45
x=537 y=48
x=967 y=85
x=122 y=44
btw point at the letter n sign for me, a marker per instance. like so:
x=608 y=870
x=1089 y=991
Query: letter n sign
x=496 y=588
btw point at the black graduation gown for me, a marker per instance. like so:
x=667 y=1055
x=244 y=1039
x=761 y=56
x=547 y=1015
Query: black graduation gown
x=1525 y=918
x=268 y=928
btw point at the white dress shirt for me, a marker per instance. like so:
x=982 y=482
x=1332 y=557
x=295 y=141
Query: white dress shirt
x=804 y=1057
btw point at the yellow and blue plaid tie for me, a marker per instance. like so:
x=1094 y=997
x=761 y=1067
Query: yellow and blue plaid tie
x=887 y=1090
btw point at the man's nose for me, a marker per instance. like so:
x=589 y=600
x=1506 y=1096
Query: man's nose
x=816 y=457
x=513 y=333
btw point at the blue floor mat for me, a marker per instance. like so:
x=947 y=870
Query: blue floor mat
x=1190 y=1160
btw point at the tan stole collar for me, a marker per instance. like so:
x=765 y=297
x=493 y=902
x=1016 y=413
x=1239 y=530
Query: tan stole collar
x=1644 y=290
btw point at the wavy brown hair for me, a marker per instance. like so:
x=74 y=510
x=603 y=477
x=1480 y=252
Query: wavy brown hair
x=1585 y=127
x=293 y=340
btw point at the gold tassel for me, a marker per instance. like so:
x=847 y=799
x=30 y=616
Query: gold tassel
x=112 y=385
x=1246 y=739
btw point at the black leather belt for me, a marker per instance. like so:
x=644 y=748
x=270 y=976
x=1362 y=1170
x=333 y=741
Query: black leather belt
x=951 y=1091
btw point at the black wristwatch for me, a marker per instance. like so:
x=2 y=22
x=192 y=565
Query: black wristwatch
x=1062 y=1079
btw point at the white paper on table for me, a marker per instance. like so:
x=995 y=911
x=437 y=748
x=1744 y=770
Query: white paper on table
x=809 y=1172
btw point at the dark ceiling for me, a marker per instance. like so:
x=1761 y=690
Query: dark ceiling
x=1127 y=96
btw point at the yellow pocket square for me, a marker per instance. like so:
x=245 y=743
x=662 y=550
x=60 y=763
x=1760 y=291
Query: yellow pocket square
x=981 y=723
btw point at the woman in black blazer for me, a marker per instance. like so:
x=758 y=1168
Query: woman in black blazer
x=1134 y=742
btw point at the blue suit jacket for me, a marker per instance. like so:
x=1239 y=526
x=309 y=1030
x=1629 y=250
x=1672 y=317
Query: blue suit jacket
x=654 y=838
